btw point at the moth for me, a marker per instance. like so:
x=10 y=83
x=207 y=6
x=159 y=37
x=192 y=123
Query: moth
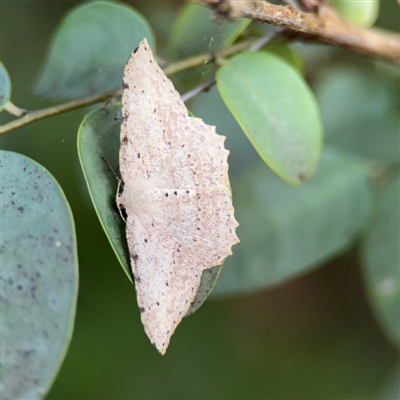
x=176 y=195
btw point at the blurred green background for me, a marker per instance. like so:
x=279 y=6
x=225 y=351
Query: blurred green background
x=313 y=338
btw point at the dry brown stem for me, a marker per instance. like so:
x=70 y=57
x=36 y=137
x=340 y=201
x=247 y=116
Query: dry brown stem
x=325 y=26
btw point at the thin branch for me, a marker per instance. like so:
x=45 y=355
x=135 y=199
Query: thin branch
x=325 y=26
x=33 y=116
x=170 y=69
x=256 y=45
x=265 y=39
x=204 y=58
x=204 y=86
x=56 y=110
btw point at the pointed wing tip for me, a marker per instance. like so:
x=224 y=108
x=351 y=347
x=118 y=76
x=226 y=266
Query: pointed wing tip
x=143 y=44
x=160 y=345
x=160 y=338
x=161 y=349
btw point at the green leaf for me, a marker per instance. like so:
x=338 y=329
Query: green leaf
x=210 y=107
x=39 y=277
x=358 y=12
x=381 y=266
x=98 y=137
x=286 y=231
x=280 y=48
x=390 y=390
x=276 y=110
x=90 y=49
x=5 y=86
x=194 y=31
x=208 y=281
x=359 y=112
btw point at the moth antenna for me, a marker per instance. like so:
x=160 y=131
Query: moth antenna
x=113 y=172
x=119 y=205
x=119 y=180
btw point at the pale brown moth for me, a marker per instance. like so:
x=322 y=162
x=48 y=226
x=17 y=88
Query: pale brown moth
x=176 y=196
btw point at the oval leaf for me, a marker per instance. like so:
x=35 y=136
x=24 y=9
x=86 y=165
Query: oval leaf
x=98 y=140
x=90 y=48
x=99 y=136
x=208 y=280
x=276 y=110
x=381 y=258
x=280 y=48
x=359 y=112
x=39 y=277
x=194 y=31
x=358 y=12
x=287 y=231
x=5 y=86
x=390 y=390
x=210 y=107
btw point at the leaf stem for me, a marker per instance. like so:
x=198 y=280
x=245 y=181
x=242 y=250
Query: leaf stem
x=12 y=109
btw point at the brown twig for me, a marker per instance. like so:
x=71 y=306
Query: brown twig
x=325 y=26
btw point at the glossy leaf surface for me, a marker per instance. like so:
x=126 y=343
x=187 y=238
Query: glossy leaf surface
x=281 y=49
x=5 y=86
x=90 y=49
x=360 y=112
x=286 y=231
x=39 y=277
x=276 y=110
x=194 y=31
x=381 y=267
x=357 y=12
